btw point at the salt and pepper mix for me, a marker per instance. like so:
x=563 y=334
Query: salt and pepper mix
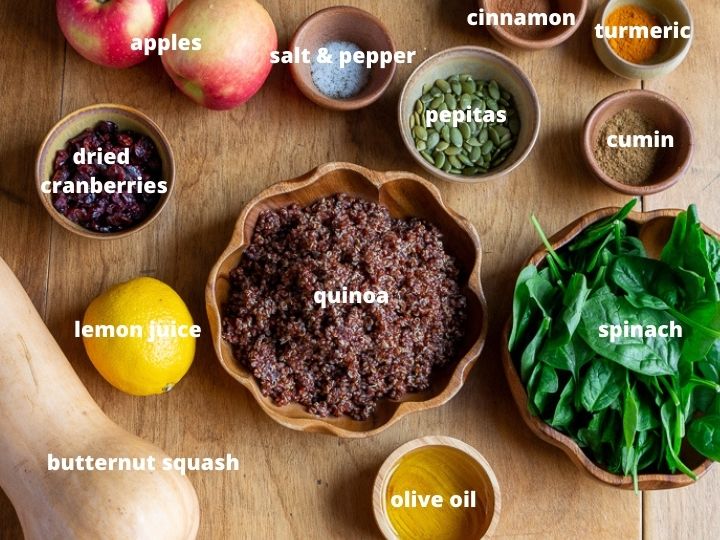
x=333 y=79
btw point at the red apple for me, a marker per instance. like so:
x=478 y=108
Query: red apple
x=234 y=61
x=102 y=30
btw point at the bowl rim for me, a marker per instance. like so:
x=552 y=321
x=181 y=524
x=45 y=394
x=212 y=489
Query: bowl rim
x=237 y=242
x=313 y=93
x=478 y=52
x=513 y=40
x=542 y=430
x=168 y=176
x=669 y=64
x=386 y=469
x=587 y=144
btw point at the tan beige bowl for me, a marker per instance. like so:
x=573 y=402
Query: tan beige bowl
x=475 y=464
x=73 y=124
x=654 y=229
x=484 y=64
x=405 y=195
x=671 y=54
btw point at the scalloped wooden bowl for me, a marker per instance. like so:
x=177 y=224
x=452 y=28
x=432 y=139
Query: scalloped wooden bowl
x=654 y=230
x=406 y=195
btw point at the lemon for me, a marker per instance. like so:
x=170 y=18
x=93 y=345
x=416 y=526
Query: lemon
x=133 y=344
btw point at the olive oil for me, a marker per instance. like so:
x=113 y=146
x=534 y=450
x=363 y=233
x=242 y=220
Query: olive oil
x=435 y=493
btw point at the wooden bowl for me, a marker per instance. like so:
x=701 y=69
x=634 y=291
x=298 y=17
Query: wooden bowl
x=654 y=229
x=488 y=489
x=552 y=36
x=343 y=23
x=668 y=118
x=671 y=54
x=406 y=195
x=73 y=124
x=484 y=64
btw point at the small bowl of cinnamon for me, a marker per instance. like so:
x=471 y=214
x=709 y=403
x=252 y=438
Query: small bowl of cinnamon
x=532 y=24
x=638 y=56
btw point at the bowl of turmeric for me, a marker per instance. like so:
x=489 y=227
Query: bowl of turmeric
x=642 y=39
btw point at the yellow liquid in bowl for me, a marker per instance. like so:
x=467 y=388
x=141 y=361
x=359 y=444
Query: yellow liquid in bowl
x=437 y=470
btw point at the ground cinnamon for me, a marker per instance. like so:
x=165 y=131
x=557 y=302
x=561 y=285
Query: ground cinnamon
x=528 y=6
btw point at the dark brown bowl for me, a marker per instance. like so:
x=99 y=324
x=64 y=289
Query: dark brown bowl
x=550 y=38
x=654 y=230
x=73 y=124
x=669 y=119
x=405 y=195
x=343 y=23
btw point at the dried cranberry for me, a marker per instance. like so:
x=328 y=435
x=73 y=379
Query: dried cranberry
x=107 y=212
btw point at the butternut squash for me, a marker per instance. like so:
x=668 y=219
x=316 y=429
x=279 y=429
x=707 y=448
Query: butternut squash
x=44 y=408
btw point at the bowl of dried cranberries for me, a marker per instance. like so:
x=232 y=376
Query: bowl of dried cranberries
x=105 y=171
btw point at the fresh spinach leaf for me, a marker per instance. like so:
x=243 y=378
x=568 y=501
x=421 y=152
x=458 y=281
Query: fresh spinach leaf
x=602 y=385
x=698 y=343
x=631 y=413
x=564 y=411
x=687 y=249
x=641 y=277
x=543 y=386
x=601 y=229
x=646 y=355
x=704 y=436
x=522 y=311
x=669 y=422
x=528 y=360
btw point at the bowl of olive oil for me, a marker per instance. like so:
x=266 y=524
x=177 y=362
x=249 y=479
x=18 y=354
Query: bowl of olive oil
x=439 y=488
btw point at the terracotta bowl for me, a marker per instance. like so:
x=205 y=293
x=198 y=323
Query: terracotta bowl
x=343 y=23
x=72 y=125
x=483 y=64
x=668 y=118
x=406 y=195
x=554 y=35
x=654 y=229
x=475 y=465
x=671 y=54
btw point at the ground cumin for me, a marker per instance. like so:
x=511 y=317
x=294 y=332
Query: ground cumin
x=635 y=50
x=632 y=166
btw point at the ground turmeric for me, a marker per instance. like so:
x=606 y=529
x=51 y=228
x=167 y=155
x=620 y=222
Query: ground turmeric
x=633 y=48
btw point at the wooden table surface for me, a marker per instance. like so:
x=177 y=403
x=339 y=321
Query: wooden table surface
x=295 y=485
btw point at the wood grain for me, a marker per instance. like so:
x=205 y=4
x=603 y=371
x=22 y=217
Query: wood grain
x=31 y=72
x=691 y=513
x=296 y=485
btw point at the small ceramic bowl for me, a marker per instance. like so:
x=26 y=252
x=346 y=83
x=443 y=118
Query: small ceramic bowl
x=668 y=118
x=543 y=38
x=653 y=229
x=482 y=64
x=672 y=52
x=475 y=469
x=405 y=195
x=343 y=23
x=76 y=122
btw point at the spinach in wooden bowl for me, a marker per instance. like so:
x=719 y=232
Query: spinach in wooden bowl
x=630 y=401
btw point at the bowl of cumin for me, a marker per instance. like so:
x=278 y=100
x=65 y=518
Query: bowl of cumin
x=660 y=136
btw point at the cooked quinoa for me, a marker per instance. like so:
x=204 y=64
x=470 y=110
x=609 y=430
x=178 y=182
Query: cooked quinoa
x=344 y=358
